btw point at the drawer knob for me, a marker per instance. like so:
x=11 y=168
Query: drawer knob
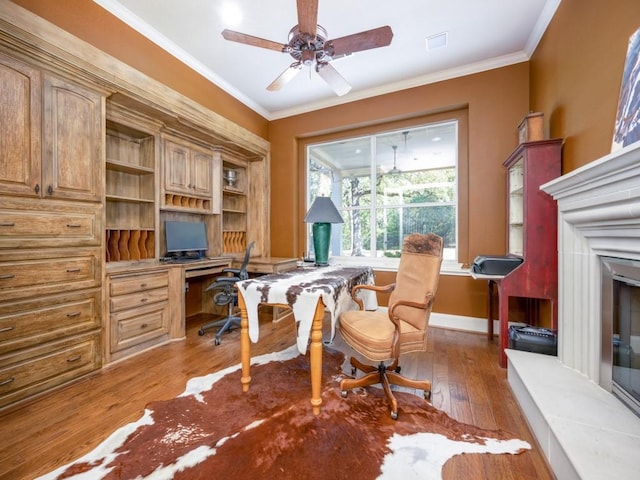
x=74 y=359
x=143 y=285
x=7 y=224
x=6 y=329
x=144 y=325
x=73 y=270
x=142 y=300
x=73 y=314
x=7 y=276
x=73 y=225
x=7 y=381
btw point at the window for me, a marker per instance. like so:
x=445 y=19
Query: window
x=386 y=186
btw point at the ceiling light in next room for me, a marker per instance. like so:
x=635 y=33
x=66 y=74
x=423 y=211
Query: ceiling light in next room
x=437 y=41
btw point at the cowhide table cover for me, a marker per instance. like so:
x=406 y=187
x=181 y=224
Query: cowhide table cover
x=301 y=289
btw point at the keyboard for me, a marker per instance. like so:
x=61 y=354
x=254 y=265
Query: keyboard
x=182 y=259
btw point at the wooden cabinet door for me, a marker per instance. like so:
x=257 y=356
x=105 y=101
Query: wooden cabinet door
x=176 y=168
x=73 y=140
x=201 y=177
x=20 y=118
x=188 y=170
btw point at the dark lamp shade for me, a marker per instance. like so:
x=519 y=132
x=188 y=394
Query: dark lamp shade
x=323 y=211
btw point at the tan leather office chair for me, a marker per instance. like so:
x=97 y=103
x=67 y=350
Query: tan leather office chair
x=382 y=336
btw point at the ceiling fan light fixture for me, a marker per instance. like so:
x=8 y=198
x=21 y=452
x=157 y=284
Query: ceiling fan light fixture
x=308 y=45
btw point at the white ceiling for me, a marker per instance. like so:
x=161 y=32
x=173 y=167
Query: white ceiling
x=481 y=34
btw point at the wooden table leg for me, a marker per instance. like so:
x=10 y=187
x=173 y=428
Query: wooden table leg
x=315 y=354
x=245 y=344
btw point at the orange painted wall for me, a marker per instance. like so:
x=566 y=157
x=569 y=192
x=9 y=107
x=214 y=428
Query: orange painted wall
x=91 y=23
x=497 y=101
x=576 y=73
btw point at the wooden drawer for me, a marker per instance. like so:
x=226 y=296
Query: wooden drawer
x=137 y=326
x=138 y=283
x=35 y=370
x=42 y=273
x=147 y=297
x=45 y=224
x=27 y=323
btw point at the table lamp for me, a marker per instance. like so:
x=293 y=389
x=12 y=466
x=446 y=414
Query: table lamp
x=322 y=214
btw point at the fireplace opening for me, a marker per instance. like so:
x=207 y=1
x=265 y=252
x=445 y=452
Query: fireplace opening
x=620 y=359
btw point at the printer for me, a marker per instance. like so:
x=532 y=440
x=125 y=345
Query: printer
x=495 y=264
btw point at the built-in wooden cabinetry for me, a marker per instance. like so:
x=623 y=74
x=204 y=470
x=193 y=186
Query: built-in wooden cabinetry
x=131 y=185
x=50 y=126
x=94 y=158
x=191 y=177
x=139 y=313
x=51 y=189
x=234 y=203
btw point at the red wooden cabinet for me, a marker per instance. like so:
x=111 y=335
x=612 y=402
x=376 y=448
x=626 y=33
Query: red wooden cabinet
x=531 y=233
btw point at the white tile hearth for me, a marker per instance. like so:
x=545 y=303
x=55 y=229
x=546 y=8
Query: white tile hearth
x=584 y=431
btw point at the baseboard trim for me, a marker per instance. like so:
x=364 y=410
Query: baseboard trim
x=460 y=322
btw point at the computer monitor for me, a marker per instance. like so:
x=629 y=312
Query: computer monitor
x=186 y=237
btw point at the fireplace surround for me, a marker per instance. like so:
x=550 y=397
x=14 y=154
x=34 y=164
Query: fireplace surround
x=584 y=430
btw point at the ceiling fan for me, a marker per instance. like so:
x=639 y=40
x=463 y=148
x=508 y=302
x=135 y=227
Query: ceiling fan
x=309 y=46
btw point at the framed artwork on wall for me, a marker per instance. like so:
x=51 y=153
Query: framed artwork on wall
x=627 y=127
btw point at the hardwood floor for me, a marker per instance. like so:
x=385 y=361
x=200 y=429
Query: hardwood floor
x=467 y=382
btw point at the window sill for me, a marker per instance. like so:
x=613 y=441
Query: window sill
x=449 y=267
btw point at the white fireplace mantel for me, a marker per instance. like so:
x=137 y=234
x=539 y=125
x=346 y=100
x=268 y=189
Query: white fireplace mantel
x=598 y=215
x=584 y=430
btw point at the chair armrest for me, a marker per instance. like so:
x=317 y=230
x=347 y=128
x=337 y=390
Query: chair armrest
x=236 y=271
x=420 y=305
x=374 y=288
x=222 y=282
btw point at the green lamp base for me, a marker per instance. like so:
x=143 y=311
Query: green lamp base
x=321 y=239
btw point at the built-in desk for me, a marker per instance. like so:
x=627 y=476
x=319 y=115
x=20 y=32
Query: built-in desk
x=267 y=265
x=146 y=302
x=198 y=303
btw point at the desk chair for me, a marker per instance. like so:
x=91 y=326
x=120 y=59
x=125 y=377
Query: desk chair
x=227 y=295
x=382 y=336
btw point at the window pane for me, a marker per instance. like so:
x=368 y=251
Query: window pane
x=356 y=233
x=388 y=185
x=356 y=191
x=396 y=223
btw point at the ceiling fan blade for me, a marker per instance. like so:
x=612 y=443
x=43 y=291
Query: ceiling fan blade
x=330 y=75
x=285 y=77
x=378 y=37
x=308 y=16
x=254 y=41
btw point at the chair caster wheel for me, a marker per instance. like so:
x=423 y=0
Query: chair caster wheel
x=394 y=415
x=397 y=369
x=427 y=394
x=201 y=332
x=217 y=341
x=344 y=393
x=354 y=370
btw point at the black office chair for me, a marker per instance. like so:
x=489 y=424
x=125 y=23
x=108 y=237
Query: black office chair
x=227 y=295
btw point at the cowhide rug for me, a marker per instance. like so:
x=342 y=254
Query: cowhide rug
x=213 y=430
